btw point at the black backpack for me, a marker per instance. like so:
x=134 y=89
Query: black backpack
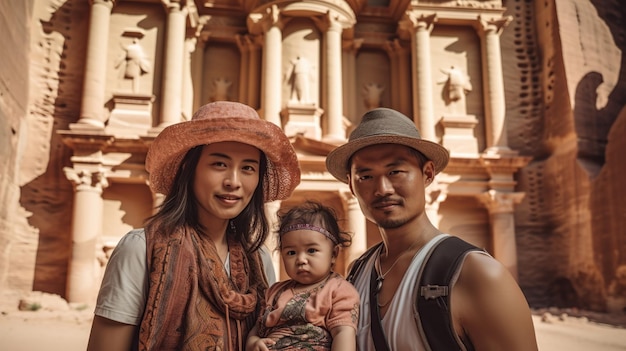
x=433 y=283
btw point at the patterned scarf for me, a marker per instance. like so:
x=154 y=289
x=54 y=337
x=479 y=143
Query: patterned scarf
x=192 y=303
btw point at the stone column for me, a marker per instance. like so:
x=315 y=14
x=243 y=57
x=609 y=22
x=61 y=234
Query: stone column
x=350 y=88
x=197 y=69
x=248 y=89
x=254 y=55
x=420 y=29
x=84 y=269
x=94 y=81
x=334 y=98
x=356 y=226
x=271 y=211
x=400 y=77
x=243 y=44
x=494 y=83
x=172 y=83
x=435 y=196
x=501 y=217
x=188 y=91
x=272 y=65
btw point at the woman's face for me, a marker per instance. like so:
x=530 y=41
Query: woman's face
x=226 y=176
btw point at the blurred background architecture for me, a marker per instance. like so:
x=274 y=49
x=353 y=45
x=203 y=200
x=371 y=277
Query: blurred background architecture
x=529 y=97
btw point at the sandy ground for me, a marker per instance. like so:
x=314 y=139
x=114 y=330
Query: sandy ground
x=55 y=327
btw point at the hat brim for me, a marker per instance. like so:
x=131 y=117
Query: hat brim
x=337 y=160
x=170 y=146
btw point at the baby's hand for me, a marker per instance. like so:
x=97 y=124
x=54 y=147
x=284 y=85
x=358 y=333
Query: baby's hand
x=262 y=344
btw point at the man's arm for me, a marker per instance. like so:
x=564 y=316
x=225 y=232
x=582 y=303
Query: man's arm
x=489 y=308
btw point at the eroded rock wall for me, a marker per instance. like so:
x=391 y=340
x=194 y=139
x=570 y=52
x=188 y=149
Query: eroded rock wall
x=17 y=240
x=563 y=98
x=37 y=93
x=57 y=49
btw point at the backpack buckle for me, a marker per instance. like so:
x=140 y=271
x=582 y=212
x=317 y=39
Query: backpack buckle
x=433 y=291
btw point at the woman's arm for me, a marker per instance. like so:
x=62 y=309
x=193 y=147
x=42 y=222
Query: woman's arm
x=122 y=296
x=256 y=343
x=344 y=338
x=108 y=335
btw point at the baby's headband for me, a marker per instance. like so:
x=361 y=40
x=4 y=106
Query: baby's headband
x=306 y=226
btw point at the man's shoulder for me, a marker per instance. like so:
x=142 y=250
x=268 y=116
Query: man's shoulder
x=356 y=266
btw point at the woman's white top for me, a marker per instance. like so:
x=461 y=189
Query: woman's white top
x=124 y=288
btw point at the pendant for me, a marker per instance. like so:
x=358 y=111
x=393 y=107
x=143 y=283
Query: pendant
x=379 y=284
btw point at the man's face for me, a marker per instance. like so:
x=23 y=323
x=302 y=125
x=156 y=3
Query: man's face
x=389 y=183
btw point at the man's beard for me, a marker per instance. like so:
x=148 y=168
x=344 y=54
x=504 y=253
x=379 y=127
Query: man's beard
x=392 y=223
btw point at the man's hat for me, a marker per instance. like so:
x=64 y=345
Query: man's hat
x=384 y=126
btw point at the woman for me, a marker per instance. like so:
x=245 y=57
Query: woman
x=193 y=278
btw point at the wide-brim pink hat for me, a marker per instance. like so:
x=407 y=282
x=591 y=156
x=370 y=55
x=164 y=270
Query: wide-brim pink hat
x=225 y=121
x=384 y=126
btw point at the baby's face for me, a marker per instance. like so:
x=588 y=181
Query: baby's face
x=308 y=255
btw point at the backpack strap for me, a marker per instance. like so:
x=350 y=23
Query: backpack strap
x=433 y=315
x=358 y=264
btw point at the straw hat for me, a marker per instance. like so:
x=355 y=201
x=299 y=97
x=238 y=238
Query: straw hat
x=384 y=126
x=225 y=121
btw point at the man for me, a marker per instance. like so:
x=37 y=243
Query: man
x=388 y=167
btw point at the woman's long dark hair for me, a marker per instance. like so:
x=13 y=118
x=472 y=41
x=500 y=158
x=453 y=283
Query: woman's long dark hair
x=180 y=207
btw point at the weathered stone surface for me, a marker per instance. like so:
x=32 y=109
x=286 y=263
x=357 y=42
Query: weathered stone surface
x=17 y=243
x=37 y=300
x=568 y=74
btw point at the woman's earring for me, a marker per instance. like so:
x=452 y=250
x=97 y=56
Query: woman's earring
x=231 y=224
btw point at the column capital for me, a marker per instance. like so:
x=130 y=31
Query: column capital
x=493 y=25
x=205 y=36
x=108 y=3
x=500 y=202
x=247 y=42
x=261 y=22
x=413 y=22
x=394 y=47
x=180 y=4
x=348 y=197
x=436 y=193
x=352 y=45
x=173 y=5
x=329 y=22
x=85 y=179
x=191 y=44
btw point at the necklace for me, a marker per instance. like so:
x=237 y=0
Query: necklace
x=310 y=289
x=381 y=275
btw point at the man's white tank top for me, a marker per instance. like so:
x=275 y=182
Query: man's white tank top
x=399 y=323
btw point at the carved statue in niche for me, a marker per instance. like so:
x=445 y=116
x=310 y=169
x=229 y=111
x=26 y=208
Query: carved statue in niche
x=456 y=86
x=135 y=63
x=220 y=89
x=299 y=78
x=371 y=95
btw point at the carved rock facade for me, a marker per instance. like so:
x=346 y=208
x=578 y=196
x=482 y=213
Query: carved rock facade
x=528 y=96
